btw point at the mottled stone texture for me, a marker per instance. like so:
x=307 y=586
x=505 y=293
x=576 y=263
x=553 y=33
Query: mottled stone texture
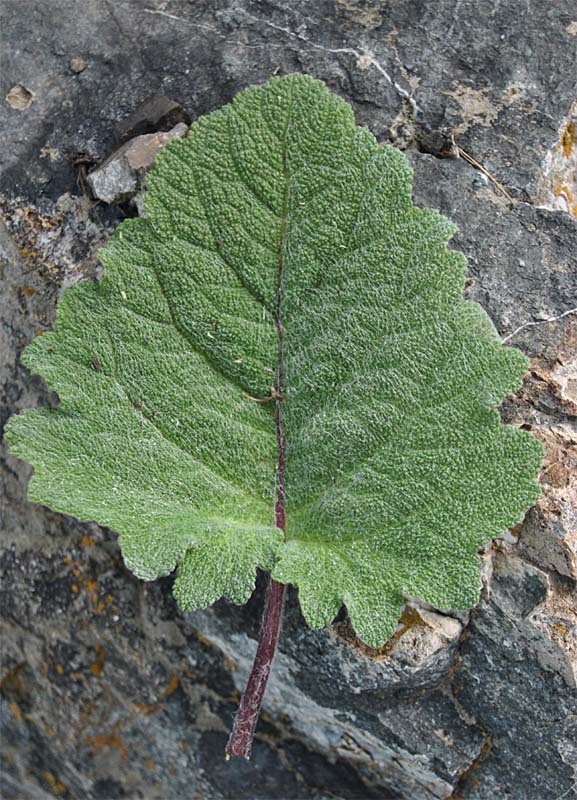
x=108 y=691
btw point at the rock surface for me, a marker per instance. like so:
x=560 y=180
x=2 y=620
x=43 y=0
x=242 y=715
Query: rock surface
x=108 y=691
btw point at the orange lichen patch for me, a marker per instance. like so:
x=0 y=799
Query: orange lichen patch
x=183 y=745
x=148 y=764
x=568 y=139
x=28 y=291
x=16 y=711
x=229 y=664
x=464 y=775
x=171 y=687
x=86 y=583
x=561 y=629
x=152 y=708
x=97 y=666
x=204 y=640
x=57 y=788
x=87 y=541
x=91 y=586
x=147 y=708
x=108 y=741
x=562 y=190
x=59 y=669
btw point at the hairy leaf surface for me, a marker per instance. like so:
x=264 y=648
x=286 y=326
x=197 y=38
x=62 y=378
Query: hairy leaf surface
x=277 y=210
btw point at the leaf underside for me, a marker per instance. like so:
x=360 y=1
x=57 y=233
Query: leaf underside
x=397 y=466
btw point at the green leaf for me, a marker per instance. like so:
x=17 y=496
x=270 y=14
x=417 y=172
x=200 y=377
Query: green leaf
x=277 y=208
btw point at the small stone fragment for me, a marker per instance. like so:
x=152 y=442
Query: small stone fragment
x=114 y=180
x=77 y=64
x=142 y=151
x=156 y=113
x=19 y=97
x=122 y=174
x=447 y=627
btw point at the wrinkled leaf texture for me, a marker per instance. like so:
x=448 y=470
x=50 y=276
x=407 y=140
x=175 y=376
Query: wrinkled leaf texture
x=397 y=466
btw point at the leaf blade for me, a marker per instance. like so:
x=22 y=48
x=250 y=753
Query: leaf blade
x=397 y=468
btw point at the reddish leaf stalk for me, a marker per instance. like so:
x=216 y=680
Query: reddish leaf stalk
x=240 y=741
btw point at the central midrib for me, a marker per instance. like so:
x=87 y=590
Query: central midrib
x=280 y=512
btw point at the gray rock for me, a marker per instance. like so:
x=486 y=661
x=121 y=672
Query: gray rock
x=123 y=173
x=114 y=181
x=108 y=690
